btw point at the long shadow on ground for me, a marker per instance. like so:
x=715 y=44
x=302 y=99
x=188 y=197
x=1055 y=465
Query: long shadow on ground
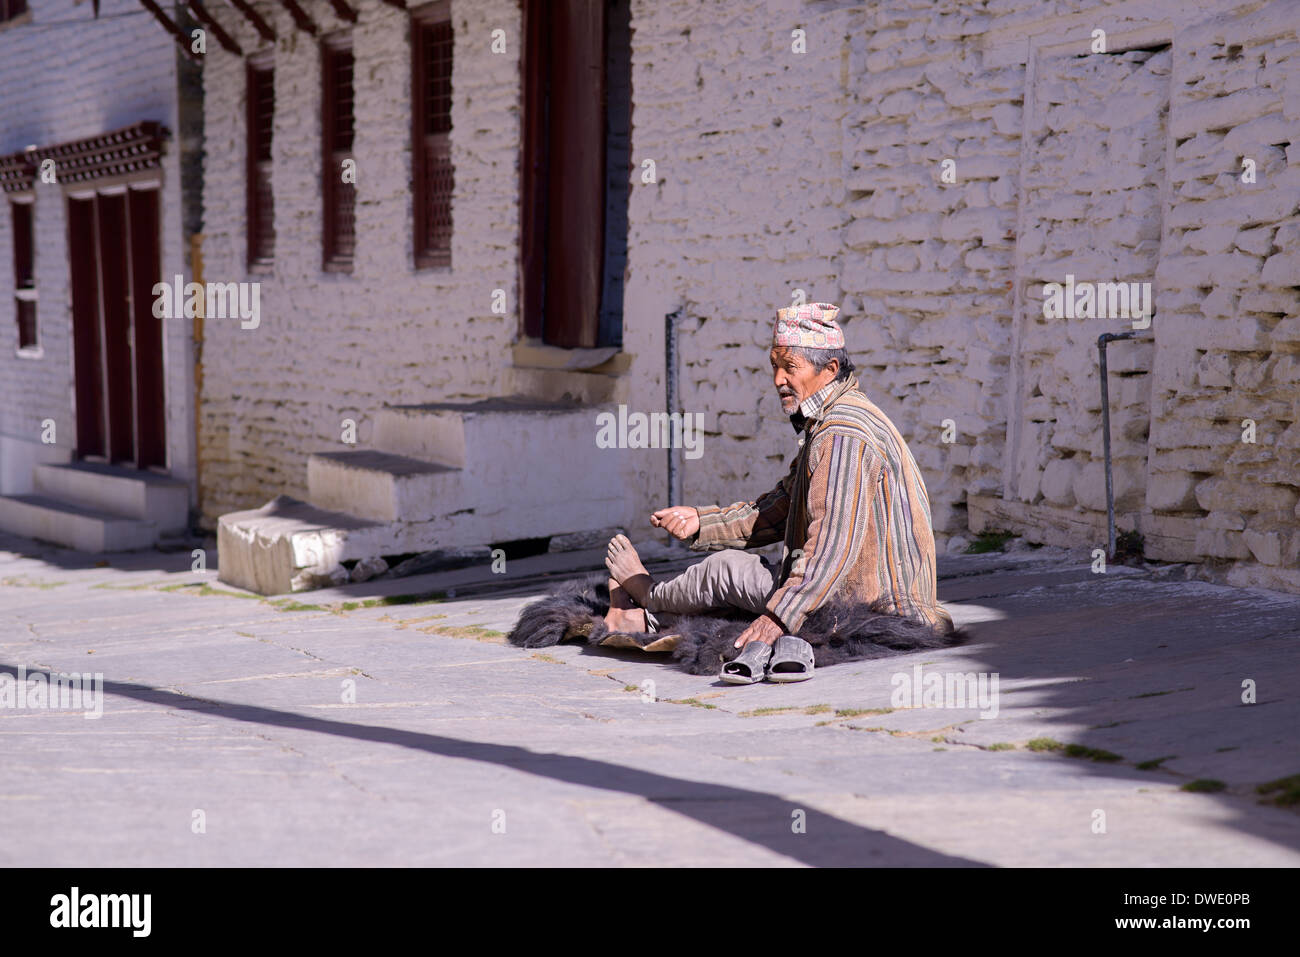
x=1151 y=670
x=763 y=819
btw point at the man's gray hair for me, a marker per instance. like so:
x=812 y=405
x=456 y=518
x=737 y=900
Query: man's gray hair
x=819 y=359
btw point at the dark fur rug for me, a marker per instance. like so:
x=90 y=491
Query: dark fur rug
x=839 y=632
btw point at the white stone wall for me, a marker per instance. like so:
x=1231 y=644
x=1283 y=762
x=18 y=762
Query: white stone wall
x=749 y=206
x=1130 y=171
x=64 y=82
x=333 y=346
x=1091 y=209
x=1229 y=349
x=822 y=172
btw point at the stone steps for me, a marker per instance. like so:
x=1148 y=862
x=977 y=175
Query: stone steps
x=73 y=525
x=380 y=486
x=130 y=493
x=442 y=475
x=289 y=545
x=503 y=445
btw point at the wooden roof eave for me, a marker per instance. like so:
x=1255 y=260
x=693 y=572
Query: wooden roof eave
x=182 y=40
x=129 y=151
x=300 y=18
x=201 y=14
x=17 y=172
x=264 y=29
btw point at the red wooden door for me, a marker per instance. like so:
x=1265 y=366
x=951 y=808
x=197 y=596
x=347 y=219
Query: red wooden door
x=147 y=330
x=88 y=365
x=564 y=164
x=114 y=251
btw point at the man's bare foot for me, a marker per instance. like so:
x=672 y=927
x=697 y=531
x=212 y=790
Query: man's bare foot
x=625 y=566
x=623 y=615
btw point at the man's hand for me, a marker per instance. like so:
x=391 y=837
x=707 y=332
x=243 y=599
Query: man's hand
x=764 y=629
x=681 y=521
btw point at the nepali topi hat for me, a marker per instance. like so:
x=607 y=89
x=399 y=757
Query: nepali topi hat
x=811 y=326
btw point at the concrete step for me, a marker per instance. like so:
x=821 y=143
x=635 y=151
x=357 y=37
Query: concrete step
x=131 y=493
x=445 y=475
x=75 y=526
x=443 y=432
x=380 y=486
x=529 y=469
x=289 y=545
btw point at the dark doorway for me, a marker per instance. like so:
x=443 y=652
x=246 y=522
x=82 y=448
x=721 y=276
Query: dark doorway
x=576 y=169
x=113 y=246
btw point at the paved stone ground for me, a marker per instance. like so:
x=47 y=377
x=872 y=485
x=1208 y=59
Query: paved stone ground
x=233 y=705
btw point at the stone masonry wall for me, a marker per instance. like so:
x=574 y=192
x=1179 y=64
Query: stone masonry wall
x=1130 y=171
x=823 y=172
x=124 y=72
x=747 y=208
x=1091 y=208
x=333 y=346
x=1228 y=349
x=820 y=172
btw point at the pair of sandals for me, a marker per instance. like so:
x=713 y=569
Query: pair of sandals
x=789 y=658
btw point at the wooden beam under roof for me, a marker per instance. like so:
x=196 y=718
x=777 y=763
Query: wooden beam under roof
x=182 y=40
x=201 y=14
x=300 y=18
x=343 y=11
x=263 y=28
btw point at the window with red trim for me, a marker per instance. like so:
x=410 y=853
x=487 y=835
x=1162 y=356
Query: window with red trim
x=337 y=125
x=431 y=55
x=261 y=204
x=24 y=272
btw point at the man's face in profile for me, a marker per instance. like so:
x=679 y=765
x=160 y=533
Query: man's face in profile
x=796 y=379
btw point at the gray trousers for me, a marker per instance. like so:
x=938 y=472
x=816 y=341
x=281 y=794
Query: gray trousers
x=730 y=578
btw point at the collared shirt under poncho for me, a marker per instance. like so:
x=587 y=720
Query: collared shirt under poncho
x=853 y=512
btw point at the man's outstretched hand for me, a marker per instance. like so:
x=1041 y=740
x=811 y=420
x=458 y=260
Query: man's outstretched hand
x=764 y=629
x=681 y=521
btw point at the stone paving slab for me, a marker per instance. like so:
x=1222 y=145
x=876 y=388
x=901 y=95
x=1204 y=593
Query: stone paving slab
x=235 y=706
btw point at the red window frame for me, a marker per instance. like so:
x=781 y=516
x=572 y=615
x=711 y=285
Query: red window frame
x=22 y=219
x=337 y=133
x=261 y=200
x=432 y=40
x=12 y=9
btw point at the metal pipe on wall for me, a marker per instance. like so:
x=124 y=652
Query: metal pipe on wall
x=670 y=397
x=1102 y=341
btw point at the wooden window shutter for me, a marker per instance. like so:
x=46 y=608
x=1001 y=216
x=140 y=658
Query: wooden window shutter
x=24 y=273
x=575 y=188
x=11 y=9
x=565 y=173
x=261 y=204
x=431 y=58
x=337 y=127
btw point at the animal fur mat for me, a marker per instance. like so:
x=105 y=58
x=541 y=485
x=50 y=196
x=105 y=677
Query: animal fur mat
x=837 y=631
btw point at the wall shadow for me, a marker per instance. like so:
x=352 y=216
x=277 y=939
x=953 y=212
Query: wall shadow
x=753 y=816
x=1152 y=669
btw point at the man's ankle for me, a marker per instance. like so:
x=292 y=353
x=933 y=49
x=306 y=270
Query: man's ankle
x=638 y=588
x=629 y=619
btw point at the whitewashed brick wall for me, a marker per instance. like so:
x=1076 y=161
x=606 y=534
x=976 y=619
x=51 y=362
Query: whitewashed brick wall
x=64 y=82
x=334 y=346
x=778 y=171
x=932 y=276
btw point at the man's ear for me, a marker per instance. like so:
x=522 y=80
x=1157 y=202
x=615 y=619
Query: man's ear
x=833 y=367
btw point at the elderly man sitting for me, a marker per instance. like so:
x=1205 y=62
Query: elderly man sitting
x=852 y=511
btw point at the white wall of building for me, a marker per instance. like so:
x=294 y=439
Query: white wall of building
x=67 y=76
x=820 y=171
